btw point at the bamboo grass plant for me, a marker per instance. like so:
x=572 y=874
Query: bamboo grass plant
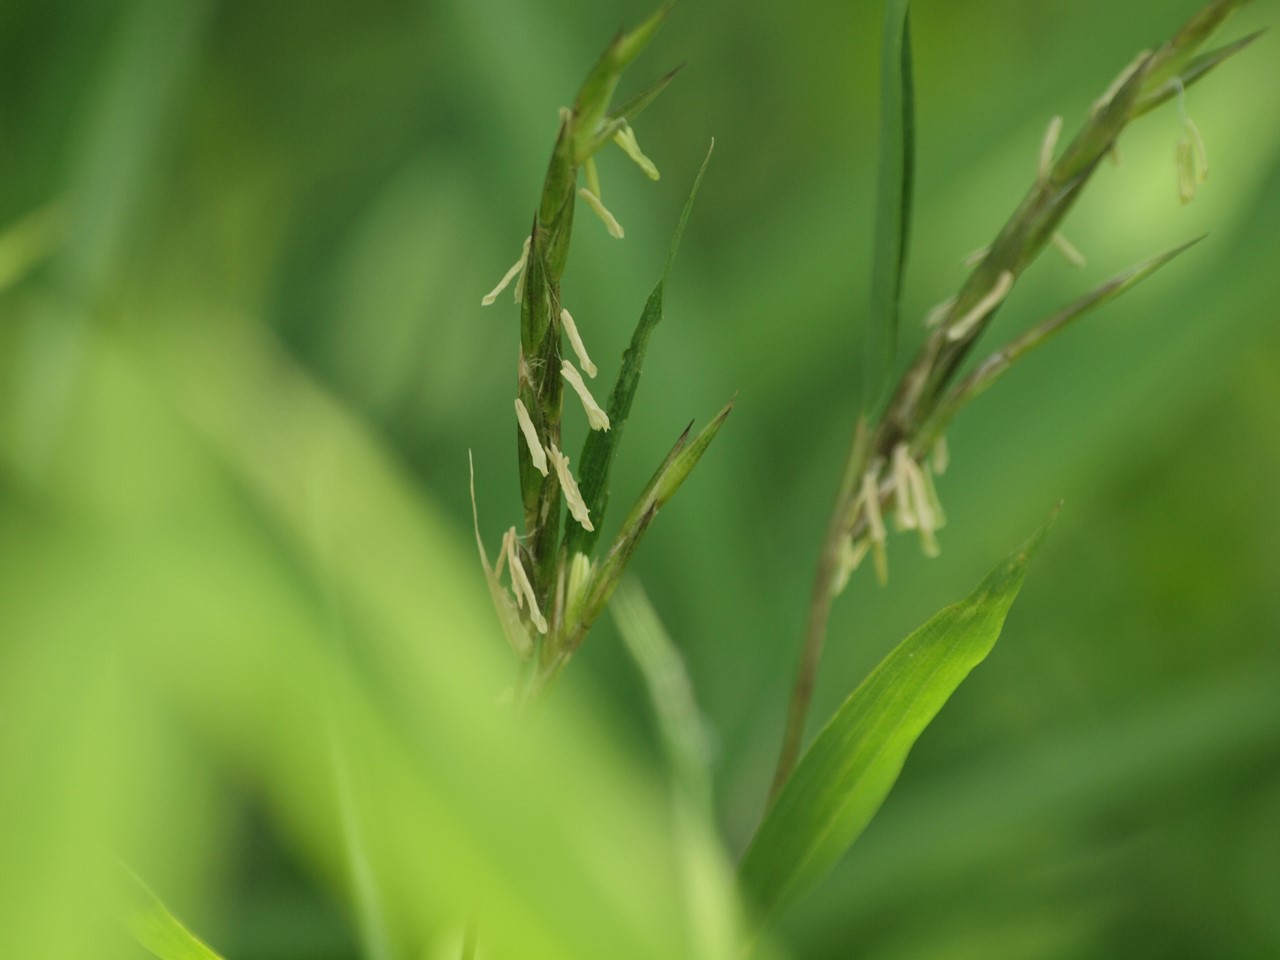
x=560 y=579
x=898 y=447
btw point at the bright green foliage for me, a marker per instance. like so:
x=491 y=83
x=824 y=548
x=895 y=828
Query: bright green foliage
x=851 y=767
x=155 y=928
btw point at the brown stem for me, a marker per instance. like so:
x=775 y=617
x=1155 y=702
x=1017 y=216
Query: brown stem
x=820 y=610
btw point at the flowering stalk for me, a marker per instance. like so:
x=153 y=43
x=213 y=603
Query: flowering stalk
x=559 y=589
x=897 y=452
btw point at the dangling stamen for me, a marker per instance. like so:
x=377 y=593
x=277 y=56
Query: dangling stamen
x=575 y=341
x=851 y=556
x=1068 y=250
x=982 y=309
x=626 y=139
x=939 y=313
x=517 y=269
x=904 y=511
x=520 y=581
x=536 y=454
x=610 y=221
x=869 y=497
x=597 y=419
x=1047 y=148
x=941 y=456
x=572 y=496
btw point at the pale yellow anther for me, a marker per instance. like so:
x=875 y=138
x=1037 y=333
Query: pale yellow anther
x=1186 y=165
x=851 y=556
x=597 y=419
x=575 y=341
x=941 y=456
x=517 y=270
x=626 y=139
x=610 y=221
x=1068 y=250
x=904 y=512
x=1048 y=147
x=520 y=584
x=982 y=309
x=975 y=257
x=1197 y=144
x=869 y=498
x=915 y=499
x=939 y=313
x=536 y=454
x=573 y=497
x=1116 y=85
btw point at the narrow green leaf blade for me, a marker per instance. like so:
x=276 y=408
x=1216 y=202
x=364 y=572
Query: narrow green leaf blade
x=158 y=930
x=661 y=488
x=999 y=363
x=598 y=451
x=704 y=870
x=1196 y=70
x=893 y=201
x=632 y=108
x=844 y=777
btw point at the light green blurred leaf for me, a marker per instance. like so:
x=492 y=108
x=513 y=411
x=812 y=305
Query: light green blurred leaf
x=158 y=930
x=846 y=774
x=893 y=200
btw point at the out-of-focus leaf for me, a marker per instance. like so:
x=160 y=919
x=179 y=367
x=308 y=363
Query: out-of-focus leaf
x=893 y=200
x=600 y=446
x=158 y=930
x=844 y=777
x=704 y=871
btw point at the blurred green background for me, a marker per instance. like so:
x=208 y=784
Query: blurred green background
x=239 y=391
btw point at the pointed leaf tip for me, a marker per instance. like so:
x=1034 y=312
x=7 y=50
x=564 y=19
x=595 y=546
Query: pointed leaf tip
x=842 y=780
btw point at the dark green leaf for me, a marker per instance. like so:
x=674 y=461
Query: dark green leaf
x=893 y=201
x=844 y=777
x=598 y=451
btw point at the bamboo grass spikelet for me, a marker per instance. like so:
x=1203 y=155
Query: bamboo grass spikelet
x=887 y=460
x=559 y=589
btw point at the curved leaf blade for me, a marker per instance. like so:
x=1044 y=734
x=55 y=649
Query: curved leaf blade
x=844 y=777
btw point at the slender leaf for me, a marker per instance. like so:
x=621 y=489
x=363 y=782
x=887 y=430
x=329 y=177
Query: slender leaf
x=661 y=488
x=999 y=363
x=1196 y=70
x=158 y=930
x=598 y=451
x=846 y=774
x=632 y=108
x=705 y=874
x=893 y=200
